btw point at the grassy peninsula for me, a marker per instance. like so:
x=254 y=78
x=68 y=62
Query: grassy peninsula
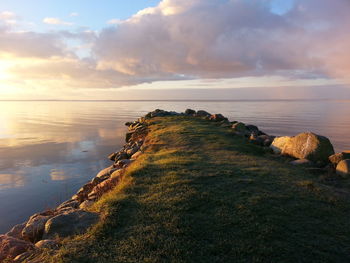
x=199 y=193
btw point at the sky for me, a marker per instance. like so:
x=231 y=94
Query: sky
x=108 y=49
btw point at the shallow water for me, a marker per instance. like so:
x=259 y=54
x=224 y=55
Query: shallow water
x=49 y=149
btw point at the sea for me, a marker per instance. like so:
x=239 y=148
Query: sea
x=49 y=149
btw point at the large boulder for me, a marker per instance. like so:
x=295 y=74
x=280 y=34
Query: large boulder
x=278 y=144
x=190 y=112
x=343 y=168
x=11 y=247
x=16 y=231
x=35 y=226
x=70 y=223
x=338 y=157
x=309 y=146
x=217 y=117
x=202 y=114
x=240 y=128
x=47 y=243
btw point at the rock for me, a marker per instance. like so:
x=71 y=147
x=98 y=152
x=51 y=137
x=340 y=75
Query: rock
x=103 y=174
x=304 y=162
x=35 y=226
x=128 y=123
x=112 y=156
x=104 y=187
x=117 y=173
x=338 y=157
x=217 y=117
x=343 y=168
x=190 y=112
x=123 y=163
x=68 y=204
x=279 y=143
x=136 y=155
x=240 y=127
x=86 y=204
x=256 y=140
x=202 y=114
x=68 y=224
x=11 y=247
x=252 y=129
x=128 y=136
x=95 y=181
x=85 y=190
x=16 y=231
x=267 y=140
x=309 y=146
x=120 y=156
x=47 y=243
x=132 y=150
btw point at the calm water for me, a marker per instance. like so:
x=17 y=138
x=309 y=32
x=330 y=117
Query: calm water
x=49 y=149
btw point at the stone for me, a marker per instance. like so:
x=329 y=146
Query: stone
x=68 y=224
x=112 y=156
x=86 y=204
x=132 y=150
x=95 y=181
x=343 y=168
x=128 y=123
x=239 y=127
x=338 y=157
x=128 y=136
x=309 y=146
x=252 y=129
x=105 y=172
x=35 y=226
x=190 y=112
x=117 y=173
x=256 y=140
x=217 y=117
x=278 y=144
x=85 y=190
x=47 y=243
x=267 y=140
x=120 y=156
x=68 y=204
x=136 y=155
x=124 y=163
x=11 y=247
x=202 y=114
x=16 y=231
x=104 y=187
x=302 y=162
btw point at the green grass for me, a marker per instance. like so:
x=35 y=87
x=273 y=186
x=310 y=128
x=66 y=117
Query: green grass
x=201 y=194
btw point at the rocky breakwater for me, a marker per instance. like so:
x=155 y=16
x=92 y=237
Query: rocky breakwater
x=45 y=230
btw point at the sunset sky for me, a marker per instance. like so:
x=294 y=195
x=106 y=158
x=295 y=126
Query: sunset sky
x=88 y=49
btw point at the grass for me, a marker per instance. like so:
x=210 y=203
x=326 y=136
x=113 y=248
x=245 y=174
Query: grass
x=201 y=194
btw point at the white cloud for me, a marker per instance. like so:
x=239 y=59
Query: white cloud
x=7 y=15
x=114 y=21
x=56 y=21
x=186 y=39
x=73 y=14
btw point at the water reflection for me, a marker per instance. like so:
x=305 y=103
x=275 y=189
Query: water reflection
x=49 y=149
x=11 y=181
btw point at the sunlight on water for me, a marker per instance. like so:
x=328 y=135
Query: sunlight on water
x=48 y=150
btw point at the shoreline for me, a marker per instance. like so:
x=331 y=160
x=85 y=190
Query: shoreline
x=42 y=228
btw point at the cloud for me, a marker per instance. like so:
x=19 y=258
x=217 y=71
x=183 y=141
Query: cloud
x=114 y=21
x=183 y=40
x=7 y=15
x=56 y=21
x=225 y=39
x=74 y=14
